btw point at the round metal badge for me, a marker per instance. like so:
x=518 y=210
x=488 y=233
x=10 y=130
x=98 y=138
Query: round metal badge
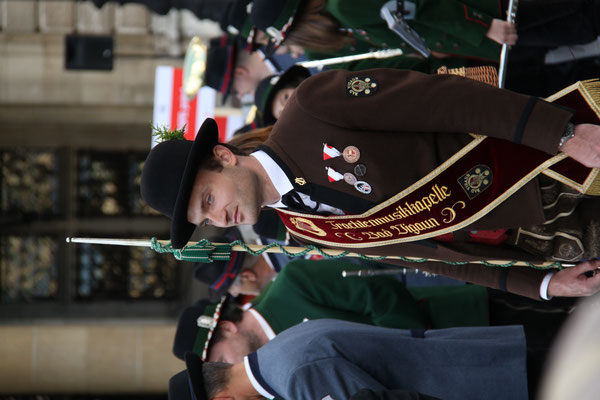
x=363 y=187
x=349 y=178
x=360 y=170
x=351 y=154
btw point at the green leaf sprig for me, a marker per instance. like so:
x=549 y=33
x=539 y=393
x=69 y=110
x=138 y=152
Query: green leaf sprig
x=163 y=133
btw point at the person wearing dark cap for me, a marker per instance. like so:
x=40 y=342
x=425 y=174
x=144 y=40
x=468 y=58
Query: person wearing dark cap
x=231 y=68
x=458 y=33
x=307 y=289
x=403 y=129
x=194 y=326
x=317 y=359
x=243 y=274
x=236 y=20
x=274 y=91
x=180 y=388
x=465 y=29
x=220 y=274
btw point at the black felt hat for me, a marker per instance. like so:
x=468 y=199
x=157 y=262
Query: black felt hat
x=275 y=18
x=196 y=326
x=187 y=328
x=268 y=87
x=219 y=275
x=169 y=174
x=220 y=63
x=193 y=362
x=180 y=387
x=236 y=18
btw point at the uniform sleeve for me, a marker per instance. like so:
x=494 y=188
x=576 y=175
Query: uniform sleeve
x=380 y=301
x=395 y=394
x=400 y=62
x=523 y=281
x=455 y=18
x=408 y=101
x=335 y=377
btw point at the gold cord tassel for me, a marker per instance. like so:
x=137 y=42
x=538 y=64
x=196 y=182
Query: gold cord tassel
x=485 y=74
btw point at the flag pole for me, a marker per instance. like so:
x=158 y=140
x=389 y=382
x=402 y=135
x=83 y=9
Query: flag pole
x=343 y=59
x=205 y=251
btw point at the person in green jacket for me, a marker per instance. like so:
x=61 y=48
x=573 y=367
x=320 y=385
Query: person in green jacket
x=316 y=289
x=465 y=28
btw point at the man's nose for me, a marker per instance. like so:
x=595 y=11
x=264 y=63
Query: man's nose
x=219 y=218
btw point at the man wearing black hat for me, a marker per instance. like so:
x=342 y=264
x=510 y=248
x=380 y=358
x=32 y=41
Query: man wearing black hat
x=316 y=289
x=273 y=92
x=242 y=273
x=232 y=68
x=323 y=358
x=401 y=125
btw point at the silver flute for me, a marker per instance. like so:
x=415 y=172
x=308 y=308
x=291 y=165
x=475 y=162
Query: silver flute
x=511 y=15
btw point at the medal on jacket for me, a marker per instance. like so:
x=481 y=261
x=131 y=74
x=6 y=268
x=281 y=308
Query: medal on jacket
x=363 y=187
x=333 y=175
x=330 y=152
x=360 y=170
x=349 y=178
x=351 y=154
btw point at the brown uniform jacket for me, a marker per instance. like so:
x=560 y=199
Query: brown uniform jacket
x=404 y=128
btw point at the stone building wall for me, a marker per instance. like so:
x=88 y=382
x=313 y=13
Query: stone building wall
x=42 y=105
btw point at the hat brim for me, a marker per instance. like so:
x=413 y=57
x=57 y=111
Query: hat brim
x=179 y=386
x=194 y=367
x=204 y=335
x=206 y=138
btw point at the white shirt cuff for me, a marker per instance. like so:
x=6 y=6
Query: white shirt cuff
x=544 y=286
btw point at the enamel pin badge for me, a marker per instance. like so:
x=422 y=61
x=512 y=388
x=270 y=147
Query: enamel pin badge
x=360 y=86
x=476 y=180
x=351 y=154
x=363 y=187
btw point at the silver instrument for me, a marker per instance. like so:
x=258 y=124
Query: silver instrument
x=393 y=17
x=511 y=15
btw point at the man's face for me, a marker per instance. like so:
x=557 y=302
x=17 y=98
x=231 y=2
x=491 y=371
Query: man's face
x=234 y=347
x=280 y=100
x=248 y=74
x=246 y=282
x=243 y=85
x=225 y=198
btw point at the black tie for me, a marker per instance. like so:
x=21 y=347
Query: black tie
x=293 y=201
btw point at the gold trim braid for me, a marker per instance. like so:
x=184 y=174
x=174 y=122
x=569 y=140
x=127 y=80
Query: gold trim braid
x=590 y=90
x=594 y=188
x=485 y=74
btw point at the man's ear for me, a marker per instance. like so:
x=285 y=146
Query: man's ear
x=248 y=275
x=228 y=328
x=224 y=155
x=240 y=71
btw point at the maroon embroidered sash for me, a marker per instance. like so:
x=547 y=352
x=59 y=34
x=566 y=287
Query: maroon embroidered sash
x=457 y=193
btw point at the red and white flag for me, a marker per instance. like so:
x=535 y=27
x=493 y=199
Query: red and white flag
x=330 y=152
x=333 y=175
x=173 y=110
